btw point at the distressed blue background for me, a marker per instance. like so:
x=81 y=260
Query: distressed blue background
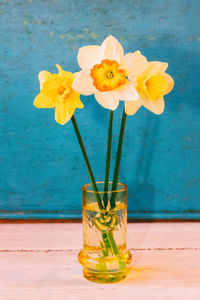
x=41 y=167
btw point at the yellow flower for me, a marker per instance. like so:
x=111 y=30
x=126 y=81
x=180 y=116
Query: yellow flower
x=151 y=82
x=56 y=91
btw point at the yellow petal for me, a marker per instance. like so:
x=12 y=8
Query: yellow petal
x=156 y=86
x=170 y=83
x=63 y=112
x=43 y=76
x=155 y=106
x=74 y=100
x=52 y=84
x=131 y=107
x=43 y=101
x=79 y=104
x=60 y=70
x=67 y=75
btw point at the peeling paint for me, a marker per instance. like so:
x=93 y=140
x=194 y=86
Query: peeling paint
x=25 y=21
x=62 y=36
x=93 y=35
x=7 y=1
x=38 y=22
x=152 y=38
x=70 y=36
x=80 y=36
x=84 y=35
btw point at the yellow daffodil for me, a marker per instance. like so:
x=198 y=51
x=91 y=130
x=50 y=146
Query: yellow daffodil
x=151 y=82
x=56 y=91
x=104 y=75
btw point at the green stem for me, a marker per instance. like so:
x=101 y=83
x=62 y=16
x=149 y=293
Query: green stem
x=108 y=155
x=112 y=243
x=118 y=160
x=106 y=237
x=87 y=161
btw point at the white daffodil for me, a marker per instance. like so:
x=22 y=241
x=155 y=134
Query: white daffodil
x=151 y=82
x=104 y=74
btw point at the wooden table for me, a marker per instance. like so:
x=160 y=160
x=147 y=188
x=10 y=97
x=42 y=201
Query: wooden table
x=39 y=261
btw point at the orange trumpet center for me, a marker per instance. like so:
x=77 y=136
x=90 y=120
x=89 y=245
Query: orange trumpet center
x=107 y=75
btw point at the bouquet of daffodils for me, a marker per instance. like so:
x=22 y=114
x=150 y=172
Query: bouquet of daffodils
x=111 y=76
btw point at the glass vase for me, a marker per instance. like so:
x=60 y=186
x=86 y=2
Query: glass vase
x=104 y=257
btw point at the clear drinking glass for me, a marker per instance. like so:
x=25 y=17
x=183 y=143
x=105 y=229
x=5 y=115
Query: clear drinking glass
x=104 y=256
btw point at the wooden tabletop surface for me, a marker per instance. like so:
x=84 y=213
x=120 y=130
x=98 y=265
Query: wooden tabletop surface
x=39 y=261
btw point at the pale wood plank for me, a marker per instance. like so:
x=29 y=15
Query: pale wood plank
x=150 y=292
x=39 y=261
x=69 y=236
x=164 y=274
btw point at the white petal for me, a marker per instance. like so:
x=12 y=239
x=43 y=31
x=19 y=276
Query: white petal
x=89 y=56
x=126 y=92
x=154 y=67
x=43 y=76
x=131 y=107
x=170 y=82
x=134 y=64
x=83 y=83
x=107 y=100
x=156 y=106
x=112 y=49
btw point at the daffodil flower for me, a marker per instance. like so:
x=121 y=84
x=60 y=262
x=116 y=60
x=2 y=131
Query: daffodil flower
x=56 y=91
x=151 y=82
x=104 y=75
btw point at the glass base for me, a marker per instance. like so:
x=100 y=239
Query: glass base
x=105 y=269
x=101 y=277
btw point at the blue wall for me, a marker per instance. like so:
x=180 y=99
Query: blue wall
x=41 y=167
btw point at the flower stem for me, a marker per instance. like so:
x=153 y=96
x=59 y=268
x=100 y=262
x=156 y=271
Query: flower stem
x=118 y=160
x=87 y=161
x=108 y=155
x=109 y=236
x=112 y=243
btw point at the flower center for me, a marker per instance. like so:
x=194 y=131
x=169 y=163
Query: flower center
x=107 y=75
x=61 y=90
x=154 y=87
x=63 y=93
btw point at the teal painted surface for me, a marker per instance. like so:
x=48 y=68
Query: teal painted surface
x=41 y=167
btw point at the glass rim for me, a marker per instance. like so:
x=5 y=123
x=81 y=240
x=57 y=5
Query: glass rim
x=85 y=189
